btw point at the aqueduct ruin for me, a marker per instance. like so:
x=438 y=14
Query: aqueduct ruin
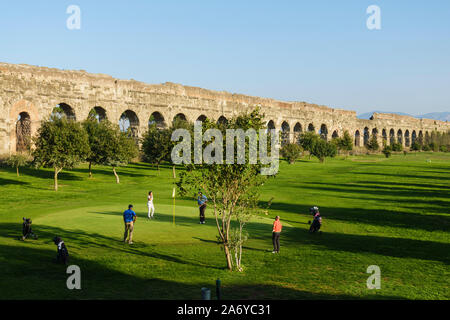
x=29 y=94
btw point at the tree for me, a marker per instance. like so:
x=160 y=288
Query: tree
x=396 y=146
x=18 y=160
x=156 y=145
x=109 y=145
x=387 y=151
x=415 y=146
x=232 y=189
x=120 y=149
x=97 y=137
x=345 y=143
x=322 y=149
x=372 y=144
x=307 y=140
x=291 y=152
x=60 y=143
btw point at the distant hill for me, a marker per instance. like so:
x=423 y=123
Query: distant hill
x=442 y=116
x=367 y=115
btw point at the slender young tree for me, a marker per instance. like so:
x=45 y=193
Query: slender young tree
x=18 y=160
x=232 y=189
x=60 y=144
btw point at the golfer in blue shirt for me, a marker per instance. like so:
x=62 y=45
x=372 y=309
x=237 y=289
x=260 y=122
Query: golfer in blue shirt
x=129 y=218
x=201 y=200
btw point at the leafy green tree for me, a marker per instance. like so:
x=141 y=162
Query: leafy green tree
x=397 y=147
x=387 y=151
x=291 y=152
x=372 y=144
x=18 y=160
x=233 y=190
x=415 y=146
x=109 y=145
x=157 y=145
x=307 y=140
x=345 y=143
x=97 y=137
x=322 y=149
x=60 y=143
x=120 y=150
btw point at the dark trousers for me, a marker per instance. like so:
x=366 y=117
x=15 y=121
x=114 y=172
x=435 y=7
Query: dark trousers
x=202 y=212
x=276 y=241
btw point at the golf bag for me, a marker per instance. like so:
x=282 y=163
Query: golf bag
x=316 y=223
x=27 y=231
x=63 y=253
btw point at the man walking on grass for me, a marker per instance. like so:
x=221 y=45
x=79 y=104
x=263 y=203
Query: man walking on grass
x=276 y=234
x=129 y=218
x=201 y=200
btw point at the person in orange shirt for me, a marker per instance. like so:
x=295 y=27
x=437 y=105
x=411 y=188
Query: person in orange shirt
x=276 y=234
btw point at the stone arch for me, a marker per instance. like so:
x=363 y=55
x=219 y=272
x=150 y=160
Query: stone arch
x=335 y=135
x=129 y=122
x=271 y=125
x=64 y=110
x=427 y=138
x=407 y=139
x=391 y=137
x=384 y=135
x=400 y=136
x=375 y=132
x=420 y=137
x=366 y=136
x=98 y=113
x=413 y=137
x=324 y=132
x=222 y=120
x=311 y=128
x=297 y=131
x=285 y=131
x=23 y=132
x=357 y=138
x=202 y=118
x=156 y=118
x=180 y=117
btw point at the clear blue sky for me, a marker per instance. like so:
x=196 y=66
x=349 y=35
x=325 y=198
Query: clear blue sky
x=315 y=51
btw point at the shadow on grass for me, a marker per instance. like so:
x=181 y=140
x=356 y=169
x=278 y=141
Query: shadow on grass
x=4 y=182
x=82 y=240
x=45 y=174
x=377 y=217
x=30 y=273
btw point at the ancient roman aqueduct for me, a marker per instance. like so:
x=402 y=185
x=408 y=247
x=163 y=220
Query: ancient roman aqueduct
x=29 y=94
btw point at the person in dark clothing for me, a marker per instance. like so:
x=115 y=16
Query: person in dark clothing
x=201 y=200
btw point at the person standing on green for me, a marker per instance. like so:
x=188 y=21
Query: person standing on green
x=201 y=200
x=129 y=218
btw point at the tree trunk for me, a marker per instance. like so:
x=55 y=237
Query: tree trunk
x=228 y=256
x=17 y=168
x=90 y=169
x=56 y=178
x=116 y=175
x=174 y=173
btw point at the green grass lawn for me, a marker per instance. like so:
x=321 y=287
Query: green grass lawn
x=394 y=213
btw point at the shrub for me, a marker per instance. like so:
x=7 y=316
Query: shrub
x=387 y=151
x=291 y=152
x=396 y=146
